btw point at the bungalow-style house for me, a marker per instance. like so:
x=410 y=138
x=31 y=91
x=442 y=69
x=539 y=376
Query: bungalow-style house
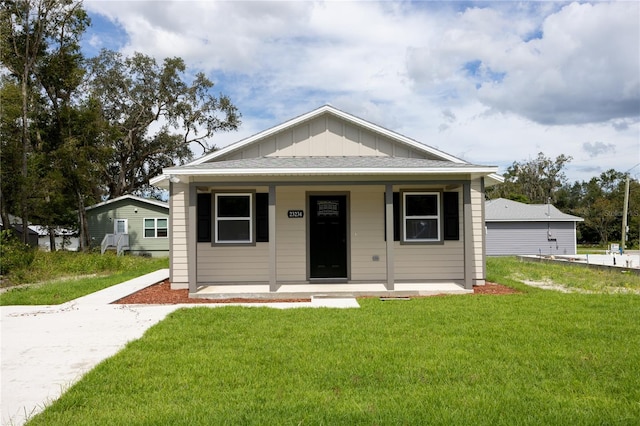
x=326 y=198
x=130 y=224
x=515 y=228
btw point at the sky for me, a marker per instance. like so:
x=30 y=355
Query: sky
x=489 y=82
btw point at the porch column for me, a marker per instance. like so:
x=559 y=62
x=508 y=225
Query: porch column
x=273 y=286
x=192 y=239
x=388 y=205
x=468 y=236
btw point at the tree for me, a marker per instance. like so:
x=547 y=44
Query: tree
x=535 y=181
x=137 y=94
x=600 y=202
x=39 y=47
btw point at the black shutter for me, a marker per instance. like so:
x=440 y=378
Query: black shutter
x=204 y=218
x=451 y=217
x=396 y=217
x=262 y=217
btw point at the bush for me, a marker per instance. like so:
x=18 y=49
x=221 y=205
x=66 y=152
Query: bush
x=13 y=253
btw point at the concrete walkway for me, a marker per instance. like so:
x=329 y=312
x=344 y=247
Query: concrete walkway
x=46 y=349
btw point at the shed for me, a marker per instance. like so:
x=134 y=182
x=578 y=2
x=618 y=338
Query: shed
x=514 y=228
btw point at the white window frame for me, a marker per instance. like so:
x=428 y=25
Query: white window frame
x=155 y=227
x=437 y=217
x=219 y=220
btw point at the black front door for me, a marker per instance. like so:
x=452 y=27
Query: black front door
x=328 y=236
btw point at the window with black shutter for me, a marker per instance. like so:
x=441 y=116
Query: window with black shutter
x=396 y=218
x=451 y=215
x=204 y=218
x=262 y=217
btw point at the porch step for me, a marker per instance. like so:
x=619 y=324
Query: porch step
x=325 y=291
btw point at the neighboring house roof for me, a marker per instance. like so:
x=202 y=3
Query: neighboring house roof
x=503 y=210
x=13 y=220
x=59 y=232
x=132 y=198
x=211 y=164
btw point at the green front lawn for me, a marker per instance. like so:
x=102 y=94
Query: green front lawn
x=538 y=357
x=55 y=278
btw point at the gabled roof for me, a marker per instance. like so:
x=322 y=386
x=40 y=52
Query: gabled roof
x=222 y=163
x=503 y=210
x=131 y=198
x=316 y=113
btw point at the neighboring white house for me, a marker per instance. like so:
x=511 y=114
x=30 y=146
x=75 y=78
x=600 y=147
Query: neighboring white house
x=65 y=239
x=326 y=198
x=514 y=228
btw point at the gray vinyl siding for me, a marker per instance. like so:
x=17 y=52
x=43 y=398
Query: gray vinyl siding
x=527 y=238
x=101 y=222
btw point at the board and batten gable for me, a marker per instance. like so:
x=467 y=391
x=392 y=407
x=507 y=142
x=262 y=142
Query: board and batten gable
x=325 y=136
x=101 y=218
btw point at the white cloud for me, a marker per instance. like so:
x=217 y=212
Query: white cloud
x=586 y=68
x=494 y=82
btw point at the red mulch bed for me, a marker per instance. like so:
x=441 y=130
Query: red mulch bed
x=161 y=294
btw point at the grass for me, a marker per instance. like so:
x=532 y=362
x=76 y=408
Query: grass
x=538 y=357
x=511 y=271
x=58 y=277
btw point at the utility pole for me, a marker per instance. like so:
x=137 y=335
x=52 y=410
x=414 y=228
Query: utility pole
x=624 y=215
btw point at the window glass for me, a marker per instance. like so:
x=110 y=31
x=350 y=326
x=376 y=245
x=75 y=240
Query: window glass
x=234 y=206
x=421 y=205
x=149 y=228
x=421 y=216
x=234 y=218
x=422 y=229
x=233 y=230
x=162 y=228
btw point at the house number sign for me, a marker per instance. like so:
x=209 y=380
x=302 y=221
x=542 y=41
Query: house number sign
x=296 y=213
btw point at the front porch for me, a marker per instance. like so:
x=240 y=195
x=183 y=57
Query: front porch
x=306 y=290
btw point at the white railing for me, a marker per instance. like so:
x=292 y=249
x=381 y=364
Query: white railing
x=118 y=241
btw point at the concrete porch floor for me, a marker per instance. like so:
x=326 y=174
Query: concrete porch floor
x=297 y=291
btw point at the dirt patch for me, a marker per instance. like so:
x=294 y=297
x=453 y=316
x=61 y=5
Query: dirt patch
x=161 y=294
x=493 y=288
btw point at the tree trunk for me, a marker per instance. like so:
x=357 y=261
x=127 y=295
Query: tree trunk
x=52 y=239
x=85 y=239
x=4 y=215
